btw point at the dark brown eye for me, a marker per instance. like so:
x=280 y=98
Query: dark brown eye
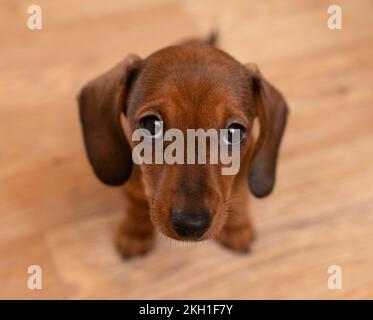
x=152 y=124
x=234 y=134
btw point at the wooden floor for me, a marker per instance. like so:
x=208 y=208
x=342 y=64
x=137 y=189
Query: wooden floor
x=54 y=213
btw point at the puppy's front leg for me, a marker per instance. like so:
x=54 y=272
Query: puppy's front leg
x=136 y=234
x=238 y=232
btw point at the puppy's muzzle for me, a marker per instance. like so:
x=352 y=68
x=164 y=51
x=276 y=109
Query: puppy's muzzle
x=190 y=224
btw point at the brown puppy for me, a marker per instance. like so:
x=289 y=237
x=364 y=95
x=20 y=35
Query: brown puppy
x=188 y=86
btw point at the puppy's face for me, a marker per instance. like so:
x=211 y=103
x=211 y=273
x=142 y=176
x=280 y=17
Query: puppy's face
x=190 y=88
x=183 y=87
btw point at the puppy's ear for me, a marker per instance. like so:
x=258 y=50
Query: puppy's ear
x=101 y=102
x=272 y=112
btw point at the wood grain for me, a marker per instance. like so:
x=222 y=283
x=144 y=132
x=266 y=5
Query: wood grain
x=53 y=211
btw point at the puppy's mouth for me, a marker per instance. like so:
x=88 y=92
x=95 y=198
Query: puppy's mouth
x=190 y=227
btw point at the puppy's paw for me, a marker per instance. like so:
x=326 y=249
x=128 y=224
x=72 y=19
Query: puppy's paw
x=238 y=239
x=132 y=244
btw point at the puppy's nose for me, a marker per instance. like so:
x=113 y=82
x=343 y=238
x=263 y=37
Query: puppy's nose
x=190 y=224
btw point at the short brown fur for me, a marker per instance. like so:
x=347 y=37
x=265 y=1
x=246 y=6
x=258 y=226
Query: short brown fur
x=191 y=85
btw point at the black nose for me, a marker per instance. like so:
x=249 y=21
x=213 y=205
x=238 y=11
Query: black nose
x=190 y=224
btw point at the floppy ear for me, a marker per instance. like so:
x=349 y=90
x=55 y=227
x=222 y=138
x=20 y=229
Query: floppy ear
x=101 y=102
x=272 y=112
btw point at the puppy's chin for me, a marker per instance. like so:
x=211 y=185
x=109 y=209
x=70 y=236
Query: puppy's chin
x=173 y=235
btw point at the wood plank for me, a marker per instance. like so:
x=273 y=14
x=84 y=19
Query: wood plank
x=54 y=213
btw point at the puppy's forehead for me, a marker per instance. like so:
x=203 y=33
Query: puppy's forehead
x=197 y=76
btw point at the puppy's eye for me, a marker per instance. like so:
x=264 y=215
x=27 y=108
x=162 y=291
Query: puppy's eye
x=234 y=134
x=153 y=125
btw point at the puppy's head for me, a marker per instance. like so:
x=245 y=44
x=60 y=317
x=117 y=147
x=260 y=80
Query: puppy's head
x=183 y=87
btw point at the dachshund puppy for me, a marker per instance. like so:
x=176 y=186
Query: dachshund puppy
x=191 y=85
